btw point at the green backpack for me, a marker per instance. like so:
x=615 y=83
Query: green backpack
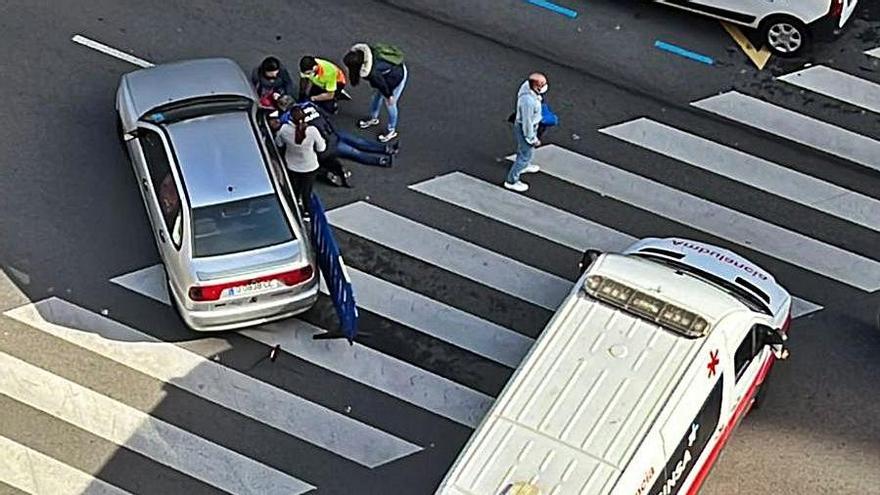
x=388 y=53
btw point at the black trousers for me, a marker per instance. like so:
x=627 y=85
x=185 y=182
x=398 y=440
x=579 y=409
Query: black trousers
x=302 y=188
x=308 y=90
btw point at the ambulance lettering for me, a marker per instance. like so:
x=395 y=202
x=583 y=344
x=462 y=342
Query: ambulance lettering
x=682 y=464
x=721 y=257
x=696 y=438
x=643 y=488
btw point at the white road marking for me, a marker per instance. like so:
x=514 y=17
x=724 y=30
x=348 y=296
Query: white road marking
x=137 y=431
x=451 y=253
x=439 y=320
x=522 y=212
x=540 y=219
x=794 y=126
x=149 y=281
x=698 y=213
x=359 y=363
x=838 y=85
x=750 y=170
x=377 y=370
x=109 y=50
x=36 y=473
x=216 y=383
x=874 y=53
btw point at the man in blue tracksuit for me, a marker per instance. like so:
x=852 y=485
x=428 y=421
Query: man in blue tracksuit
x=525 y=130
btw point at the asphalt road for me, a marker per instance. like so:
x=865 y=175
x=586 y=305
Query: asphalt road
x=73 y=220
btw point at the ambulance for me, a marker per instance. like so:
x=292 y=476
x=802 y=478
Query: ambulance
x=637 y=381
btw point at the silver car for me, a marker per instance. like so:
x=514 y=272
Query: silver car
x=234 y=245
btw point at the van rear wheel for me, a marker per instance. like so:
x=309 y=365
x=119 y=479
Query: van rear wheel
x=785 y=36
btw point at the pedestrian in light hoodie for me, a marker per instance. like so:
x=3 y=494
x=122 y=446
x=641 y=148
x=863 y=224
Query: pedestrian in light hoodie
x=525 y=130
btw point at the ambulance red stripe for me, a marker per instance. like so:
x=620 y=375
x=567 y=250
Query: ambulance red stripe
x=738 y=414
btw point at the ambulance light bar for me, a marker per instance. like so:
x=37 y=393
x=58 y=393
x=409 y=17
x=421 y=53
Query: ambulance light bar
x=649 y=307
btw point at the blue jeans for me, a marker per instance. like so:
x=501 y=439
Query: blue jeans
x=359 y=149
x=524 y=152
x=376 y=105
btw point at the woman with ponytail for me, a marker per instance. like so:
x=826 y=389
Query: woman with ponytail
x=302 y=143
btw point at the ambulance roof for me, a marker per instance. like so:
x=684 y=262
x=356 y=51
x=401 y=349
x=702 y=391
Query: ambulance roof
x=585 y=397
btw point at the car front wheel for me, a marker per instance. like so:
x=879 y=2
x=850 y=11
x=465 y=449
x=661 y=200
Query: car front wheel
x=785 y=36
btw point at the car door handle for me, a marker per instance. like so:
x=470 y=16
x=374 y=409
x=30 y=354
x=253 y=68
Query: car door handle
x=162 y=235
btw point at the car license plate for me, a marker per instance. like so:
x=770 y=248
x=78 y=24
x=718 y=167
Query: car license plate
x=253 y=288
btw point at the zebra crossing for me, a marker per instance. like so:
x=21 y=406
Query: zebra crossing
x=368 y=444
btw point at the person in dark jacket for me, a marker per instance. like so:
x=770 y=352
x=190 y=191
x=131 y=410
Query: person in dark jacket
x=271 y=81
x=383 y=68
x=340 y=143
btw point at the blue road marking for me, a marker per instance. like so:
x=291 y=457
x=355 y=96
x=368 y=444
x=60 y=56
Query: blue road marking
x=684 y=53
x=555 y=8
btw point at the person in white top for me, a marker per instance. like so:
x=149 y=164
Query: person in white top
x=302 y=144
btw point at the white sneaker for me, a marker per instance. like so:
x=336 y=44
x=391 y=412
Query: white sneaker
x=388 y=136
x=518 y=186
x=363 y=124
x=531 y=169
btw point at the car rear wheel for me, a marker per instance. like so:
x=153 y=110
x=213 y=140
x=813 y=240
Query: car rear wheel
x=785 y=36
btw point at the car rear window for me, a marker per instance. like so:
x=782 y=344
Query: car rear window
x=239 y=226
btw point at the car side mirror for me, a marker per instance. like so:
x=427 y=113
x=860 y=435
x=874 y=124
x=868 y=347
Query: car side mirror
x=776 y=339
x=588 y=258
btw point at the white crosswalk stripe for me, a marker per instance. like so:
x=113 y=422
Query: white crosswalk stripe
x=126 y=426
x=451 y=253
x=839 y=85
x=712 y=218
x=522 y=212
x=750 y=170
x=221 y=385
x=34 y=472
x=439 y=320
x=539 y=219
x=359 y=363
x=794 y=126
x=379 y=371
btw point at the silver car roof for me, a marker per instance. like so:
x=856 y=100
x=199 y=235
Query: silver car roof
x=220 y=158
x=166 y=83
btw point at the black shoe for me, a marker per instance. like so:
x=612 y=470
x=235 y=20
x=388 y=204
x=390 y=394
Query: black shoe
x=386 y=161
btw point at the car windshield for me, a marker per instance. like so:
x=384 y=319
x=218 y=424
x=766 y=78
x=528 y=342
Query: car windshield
x=239 y=226
x=750 y=300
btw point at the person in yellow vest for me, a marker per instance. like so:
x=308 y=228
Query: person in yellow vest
x=322 y=83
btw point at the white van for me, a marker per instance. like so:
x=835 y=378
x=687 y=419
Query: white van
x=637 y=381
x=786 y=26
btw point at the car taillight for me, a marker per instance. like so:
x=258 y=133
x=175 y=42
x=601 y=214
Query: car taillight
x=213 y=292
x=836 y=8
x=296 y=277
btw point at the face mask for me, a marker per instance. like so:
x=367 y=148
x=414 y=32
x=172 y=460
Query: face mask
x=543 y=89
